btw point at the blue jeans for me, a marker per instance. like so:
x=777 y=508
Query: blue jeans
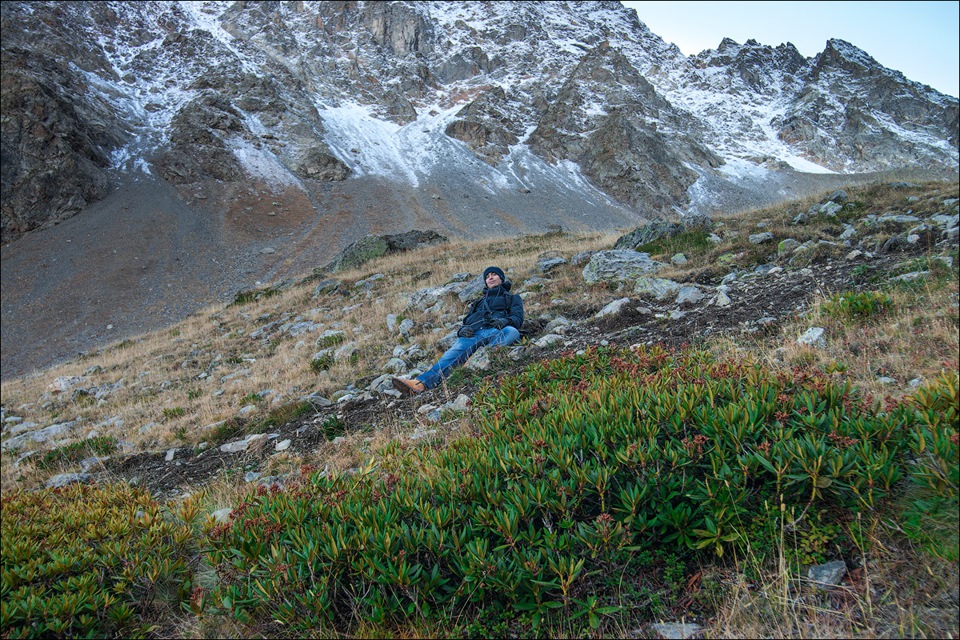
x=461 y=351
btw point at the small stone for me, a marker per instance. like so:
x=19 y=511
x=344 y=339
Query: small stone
x=548 y=340
x=813 y=336
x=827 y=576
x=65 y=479
x=283 y=445
x=689 y=295
x=722 y=299
x=761 y=238
x=675 y=630
x=222 y=516
x=171 y=454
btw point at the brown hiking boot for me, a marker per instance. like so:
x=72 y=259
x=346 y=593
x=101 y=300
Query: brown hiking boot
x=408 y=387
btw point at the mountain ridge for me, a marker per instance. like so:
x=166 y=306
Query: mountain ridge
x=288 y=131
x=226 y=90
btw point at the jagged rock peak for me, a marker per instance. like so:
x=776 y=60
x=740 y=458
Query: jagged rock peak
x=291 y=94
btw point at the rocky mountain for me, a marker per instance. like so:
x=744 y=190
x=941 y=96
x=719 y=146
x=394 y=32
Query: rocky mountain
x=297 y=94
x=212 y=146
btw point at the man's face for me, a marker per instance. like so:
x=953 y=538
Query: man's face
x=493 y=280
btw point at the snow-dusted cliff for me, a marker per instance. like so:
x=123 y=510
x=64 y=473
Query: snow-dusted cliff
x=508 y=97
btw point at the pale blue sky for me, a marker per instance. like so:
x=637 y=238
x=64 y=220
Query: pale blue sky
x=919 y=39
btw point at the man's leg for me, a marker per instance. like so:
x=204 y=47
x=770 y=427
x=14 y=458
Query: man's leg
x=504 y=337
x=455 y=356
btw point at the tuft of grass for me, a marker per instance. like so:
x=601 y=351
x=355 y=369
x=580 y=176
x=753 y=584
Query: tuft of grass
x=857 y=306
x=76 y=451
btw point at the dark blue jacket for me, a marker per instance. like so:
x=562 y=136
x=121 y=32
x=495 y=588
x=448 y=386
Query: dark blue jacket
x=495 y=303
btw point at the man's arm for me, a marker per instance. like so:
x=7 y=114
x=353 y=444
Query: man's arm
x=516 y=311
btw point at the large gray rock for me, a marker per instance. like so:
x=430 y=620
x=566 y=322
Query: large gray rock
x=619 y=265
x=371 y=247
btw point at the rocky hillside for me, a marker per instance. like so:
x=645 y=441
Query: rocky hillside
x=796 y=366
x=290 y=366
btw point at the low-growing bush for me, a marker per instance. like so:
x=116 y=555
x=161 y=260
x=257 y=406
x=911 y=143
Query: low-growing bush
x=691 y=243
x=279 y=416
x=578 y=470
x=322 y=363
x=228 y=429
x=76 y=451
x=89 y=561
x=172 y=413
x=863 y=305
x=253 y=295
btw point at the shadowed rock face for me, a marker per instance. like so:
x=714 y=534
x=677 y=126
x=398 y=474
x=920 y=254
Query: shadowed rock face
x=54 y=154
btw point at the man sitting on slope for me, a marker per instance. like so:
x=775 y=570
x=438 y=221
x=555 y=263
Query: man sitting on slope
x=494 y=319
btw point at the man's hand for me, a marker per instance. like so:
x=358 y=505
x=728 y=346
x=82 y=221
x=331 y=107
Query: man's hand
x=500 y=323
x=465 y=332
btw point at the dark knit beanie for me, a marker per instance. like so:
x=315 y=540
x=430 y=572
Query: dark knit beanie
x=496 y=270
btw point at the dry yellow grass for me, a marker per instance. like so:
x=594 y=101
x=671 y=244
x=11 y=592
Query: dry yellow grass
x=172 y=384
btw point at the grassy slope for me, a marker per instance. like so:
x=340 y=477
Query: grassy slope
x=901 y=590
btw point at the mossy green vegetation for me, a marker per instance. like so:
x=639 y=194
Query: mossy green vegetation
x=90 y=561
x=579 y=469
x=76 y=451
x=857 y=306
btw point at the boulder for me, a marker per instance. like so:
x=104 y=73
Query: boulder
x=371 y=247
x=619 y=265
x=659 y=288
x=648 y=233
x=612 y=309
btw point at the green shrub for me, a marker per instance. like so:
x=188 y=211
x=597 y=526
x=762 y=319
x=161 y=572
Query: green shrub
x=321 y=364
x=851 y=306
x=172 y=413
x=251 y=398
x=579 y=468
x=229 y=429
x=86 y=561
x=690 y=243
x=252 y=295
x=283 y=414
x=330 y=340
x=76 y=451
